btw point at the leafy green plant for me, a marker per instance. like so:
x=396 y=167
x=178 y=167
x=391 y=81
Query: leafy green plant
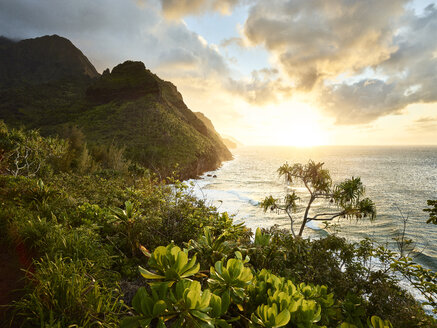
x=41 y=193
x=27 y=153
x=270 y=317
x=182 y=305
x=377 y=322
x=210 y=249
x=232 y=278
x=261 y=239
x=373 y=322
x=191 y=304
x=424 y=280
x=264 y=252
x=277 y=297
x=127 y=217
x=151 y=306
x=171 y=264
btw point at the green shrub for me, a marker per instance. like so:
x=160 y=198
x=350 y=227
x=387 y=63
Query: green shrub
x=64 y=292
x=232 y=294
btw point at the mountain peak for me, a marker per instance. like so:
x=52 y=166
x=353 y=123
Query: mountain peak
x=44 y=59
x=129 y=80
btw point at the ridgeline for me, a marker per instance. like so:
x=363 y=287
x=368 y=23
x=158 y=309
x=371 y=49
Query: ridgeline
x=49 y=84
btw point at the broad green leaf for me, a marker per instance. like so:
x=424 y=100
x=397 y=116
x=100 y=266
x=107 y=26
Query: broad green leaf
x=149 y=275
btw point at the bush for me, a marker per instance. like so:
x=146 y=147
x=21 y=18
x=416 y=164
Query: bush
x=63 y=292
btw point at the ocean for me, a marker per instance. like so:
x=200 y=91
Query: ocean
x=398 y=179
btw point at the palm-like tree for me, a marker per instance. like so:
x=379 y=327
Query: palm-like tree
x=347 y=196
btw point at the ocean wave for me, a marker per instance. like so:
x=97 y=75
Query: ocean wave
x=314 y=225
x=243 y=198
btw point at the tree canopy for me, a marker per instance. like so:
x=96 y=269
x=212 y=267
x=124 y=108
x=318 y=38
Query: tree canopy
x=347 y=197
x=432 y=211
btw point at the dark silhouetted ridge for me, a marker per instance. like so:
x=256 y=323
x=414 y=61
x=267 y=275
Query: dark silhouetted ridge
x=43 y=59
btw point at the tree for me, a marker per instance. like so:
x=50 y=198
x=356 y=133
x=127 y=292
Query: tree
x=346 y=197
x=27 y=153
x=432 y=211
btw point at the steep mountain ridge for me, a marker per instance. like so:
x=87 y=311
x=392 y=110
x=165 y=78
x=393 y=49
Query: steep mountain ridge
x=41 y=60
x=128 y=106
x=227 y=141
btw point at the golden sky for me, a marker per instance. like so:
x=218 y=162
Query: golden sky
x=270 y=72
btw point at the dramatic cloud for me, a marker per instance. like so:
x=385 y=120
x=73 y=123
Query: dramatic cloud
x=361 y=102
x=175 y=9
x=364 y=59
x=316 y=39
x=410 y=76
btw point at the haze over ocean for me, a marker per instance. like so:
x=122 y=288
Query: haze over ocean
x=398 y=179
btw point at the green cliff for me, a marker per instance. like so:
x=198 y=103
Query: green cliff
x=47 y=83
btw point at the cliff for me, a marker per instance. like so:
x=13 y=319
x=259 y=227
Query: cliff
x=48 y=83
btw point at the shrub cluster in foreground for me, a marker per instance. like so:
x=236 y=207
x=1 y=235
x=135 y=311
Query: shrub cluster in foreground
x=87 y=234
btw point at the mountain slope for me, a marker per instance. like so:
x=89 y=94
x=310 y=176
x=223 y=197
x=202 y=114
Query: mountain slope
x=129 y=106
x=227 y=141
x=44 y=59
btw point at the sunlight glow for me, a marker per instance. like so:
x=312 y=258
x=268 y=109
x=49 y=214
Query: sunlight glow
x=290 y=124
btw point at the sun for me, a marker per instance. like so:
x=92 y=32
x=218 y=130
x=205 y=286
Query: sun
x=296 y=124
x=300 y=134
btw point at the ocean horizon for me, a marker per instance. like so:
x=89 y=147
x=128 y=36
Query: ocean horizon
x=399 y=179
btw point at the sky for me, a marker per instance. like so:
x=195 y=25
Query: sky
x=268 y=72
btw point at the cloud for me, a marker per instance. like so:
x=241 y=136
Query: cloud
x=424 y=124
x=176 y=9
x=410 y=76
x=315 y=39
x=360 y=59
x=112 y=31
x=262 y=88
x=233 y=41
x=325 y=48
x=361 y=102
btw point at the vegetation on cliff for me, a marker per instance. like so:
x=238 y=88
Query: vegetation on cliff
x=47 y=83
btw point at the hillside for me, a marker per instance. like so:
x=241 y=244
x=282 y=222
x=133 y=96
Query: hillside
x=47 y=83
x=44 y=59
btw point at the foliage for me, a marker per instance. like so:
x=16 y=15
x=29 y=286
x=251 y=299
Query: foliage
x=350 y=271
x=67 y=294
x=232 y=294
x=347 y=195
x=27 y=153
x=127 y=218
x=432 y=211
x=425 y=280
x=231 y=279
x=171 y=263
x=83 y=231
x=211 y=249
x=376 y=322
